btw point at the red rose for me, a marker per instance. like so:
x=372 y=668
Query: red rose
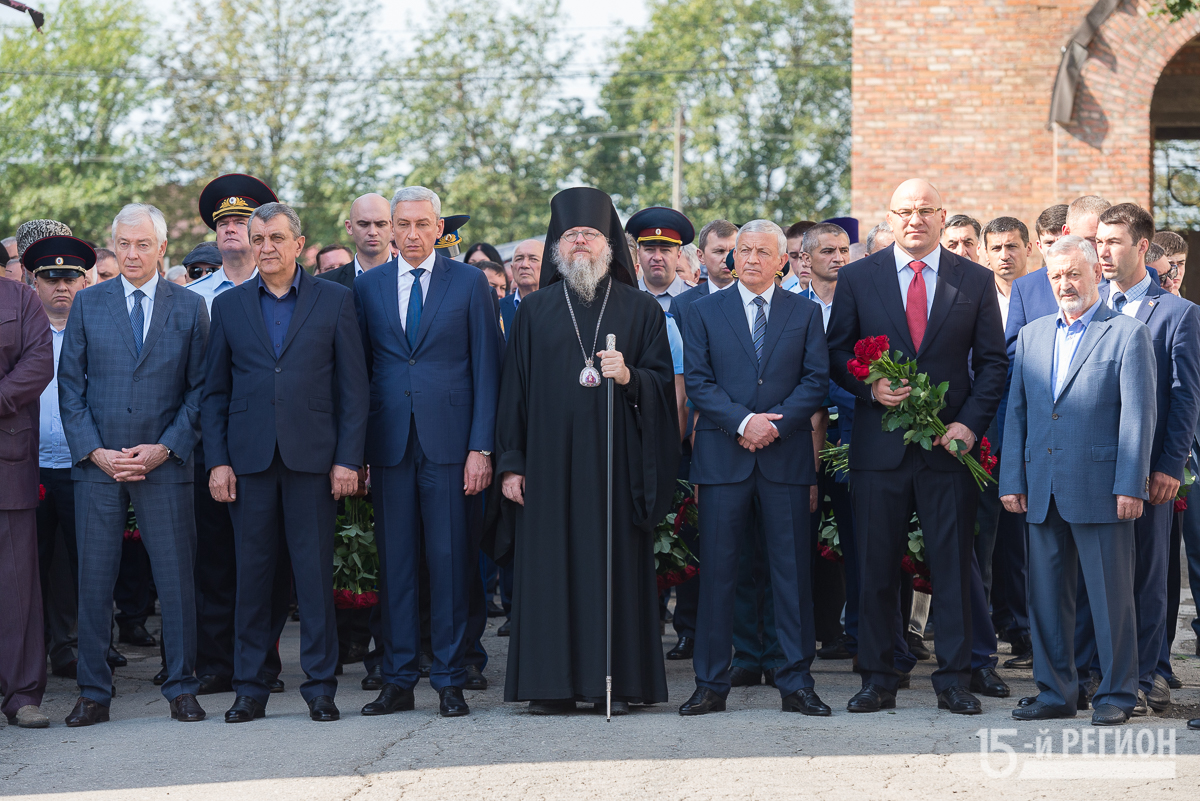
x=1181 y=504
x=922 y=585
x=871 y=348
x=41 y=492
x=908 y=566
x=858 y=369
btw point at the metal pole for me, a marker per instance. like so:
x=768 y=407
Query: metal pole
x=677 y=171
x=610 y=343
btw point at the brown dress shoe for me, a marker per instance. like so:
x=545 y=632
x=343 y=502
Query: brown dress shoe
x=87 y=713
x=186 y=708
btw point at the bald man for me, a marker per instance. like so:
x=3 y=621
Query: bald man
x=370 y=226
x=526 y=272
x=941 y=307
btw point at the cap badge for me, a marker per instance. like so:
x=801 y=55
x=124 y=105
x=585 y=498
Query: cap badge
x=658 y=232
x=58 y=260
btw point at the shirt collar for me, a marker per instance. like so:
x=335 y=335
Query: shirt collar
x=358 y=268
x=748 y=296
x=294 y=288
x=674 y=288
x=1135 y=293
x=1085 y=318
x=426 y=265
x=148 y=288
x=714 y=288
x=933 y=261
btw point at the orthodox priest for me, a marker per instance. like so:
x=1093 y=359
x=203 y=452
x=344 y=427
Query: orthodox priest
x=551 y=452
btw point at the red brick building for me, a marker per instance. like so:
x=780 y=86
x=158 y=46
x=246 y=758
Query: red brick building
x=962 y=94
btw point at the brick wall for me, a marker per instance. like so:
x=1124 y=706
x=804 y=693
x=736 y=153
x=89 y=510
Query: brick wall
x=960 y=94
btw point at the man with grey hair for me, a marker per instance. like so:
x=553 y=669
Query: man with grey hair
x=433 y=346
x=1082 y=495
x=879 y=238
x=550 y=456
x=961 y=237
x=283 y=465
x=129 y=382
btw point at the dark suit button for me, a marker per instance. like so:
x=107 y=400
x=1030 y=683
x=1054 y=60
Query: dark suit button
x=1054 y=417
x=129 y=410
x=407 y=393
x=12 y=430
x=1050 y=451
x=412 y=361
x=137 y=378
x=279 y=369
x=760 y=382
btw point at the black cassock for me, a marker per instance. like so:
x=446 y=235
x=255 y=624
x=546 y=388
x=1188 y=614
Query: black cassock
x=553 y=431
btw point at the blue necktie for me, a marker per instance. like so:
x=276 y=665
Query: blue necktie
x=760 y=327
x=1119 y=301
x=137 y=319
x=415 y=303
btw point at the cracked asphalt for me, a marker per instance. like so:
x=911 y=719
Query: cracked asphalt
x=753 y=751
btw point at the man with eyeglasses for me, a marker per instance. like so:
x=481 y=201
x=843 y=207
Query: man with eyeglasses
x=1175 y=247
x=941 y=309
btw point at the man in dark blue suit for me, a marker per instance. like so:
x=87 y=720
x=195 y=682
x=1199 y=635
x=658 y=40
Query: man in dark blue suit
x=943 y=309
x=432 y=345
x=1123 y=236
x=284 y=415
x=757 y=371
x=527 y=275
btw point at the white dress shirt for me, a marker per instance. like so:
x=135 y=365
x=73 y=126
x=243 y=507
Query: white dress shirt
x=149 y=289
x=1003 y=300
x=751 y=309
x=405 y=282
x=676 y=287
x=933 y=263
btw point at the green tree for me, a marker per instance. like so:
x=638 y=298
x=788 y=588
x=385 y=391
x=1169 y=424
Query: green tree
x=472 y=105
x=285 y=90
x=765 y=85
x=71 y=144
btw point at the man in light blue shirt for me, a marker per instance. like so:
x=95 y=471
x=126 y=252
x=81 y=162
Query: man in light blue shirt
x=1066 y=341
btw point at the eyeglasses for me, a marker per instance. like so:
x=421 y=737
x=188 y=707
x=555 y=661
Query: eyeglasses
x=924 y=212
x=589 y=236
x=1175 y=265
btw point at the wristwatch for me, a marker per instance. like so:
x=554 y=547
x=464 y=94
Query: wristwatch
x=484 y=453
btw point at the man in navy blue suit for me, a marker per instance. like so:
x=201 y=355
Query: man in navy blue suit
x=757 y=371
x=527 y=275
x=432 y=345
x=1123 y=236
x=284 y=414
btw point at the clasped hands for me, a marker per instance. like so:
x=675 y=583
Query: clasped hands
x=759 y=432
x=129 y=464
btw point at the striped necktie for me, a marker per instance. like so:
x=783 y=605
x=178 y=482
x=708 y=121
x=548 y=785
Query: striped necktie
x=760 y=326
x=137 y=319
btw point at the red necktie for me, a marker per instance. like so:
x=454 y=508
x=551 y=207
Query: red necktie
x=915 y=310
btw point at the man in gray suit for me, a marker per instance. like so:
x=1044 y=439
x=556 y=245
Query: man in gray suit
x=129 y=382
x=1082 y=388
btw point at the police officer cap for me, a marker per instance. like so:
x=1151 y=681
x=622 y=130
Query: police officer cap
x=233 y=195
x=659 y=224
x=59 y=257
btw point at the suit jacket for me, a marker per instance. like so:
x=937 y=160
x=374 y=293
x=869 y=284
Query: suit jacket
x=1030 y=299
x=682 y=303
x=310 y=403
x=343 y=275
x=725 y=382
x=1081 y=451
x=448 y=384
x=1175 y=335
x=111 y=397
x=963 y=336
x=26 y=367
x=508 y=313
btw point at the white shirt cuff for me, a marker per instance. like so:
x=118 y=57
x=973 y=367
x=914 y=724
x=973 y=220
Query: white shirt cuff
x=742 y=427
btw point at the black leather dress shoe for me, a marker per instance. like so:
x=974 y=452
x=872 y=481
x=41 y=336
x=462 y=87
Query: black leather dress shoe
x=87 y=713
x=986 y=681
x=1142 y=708
x=871 y=698
x=619 y=708
x=68 y=671
x=136 y=635
x=186 y=708
x=959 y=701
x=1194 y=724
x=276 y=685
x=702 y=702
x=211 y=685
x=769 y=676
x=1021 y=662
x=683 y=649
x=452 y=705
x=115 y=658
x=1174 y=683
x=425 y=664
x=160 y=678
x=374 y=678
x=806 y=702
x=391 y=699
x=1038 y=711
x=475 y=679
x=323 y=710
x=556 y=706
x=1159 y=697
x=494 y=609
x=744 y=677
x=505 y=628
x=905 y=682
x=835 y=650
x=244 y=710
x=1108 y=715
x=916 y=644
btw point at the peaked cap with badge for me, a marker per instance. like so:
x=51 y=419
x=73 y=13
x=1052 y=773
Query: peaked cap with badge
x=233 y=195
x=59 y=257
x=660 y=225
x=450 y=240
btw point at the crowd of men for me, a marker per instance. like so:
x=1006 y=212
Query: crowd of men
x=231 y=403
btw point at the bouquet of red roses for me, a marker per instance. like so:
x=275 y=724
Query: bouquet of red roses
x=917 y=415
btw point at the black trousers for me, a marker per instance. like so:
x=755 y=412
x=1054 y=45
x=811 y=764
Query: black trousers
x=828 y=578
x=884 y=501
x=54 y=512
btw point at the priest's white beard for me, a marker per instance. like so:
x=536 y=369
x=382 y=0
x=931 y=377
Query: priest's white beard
x=581 y=272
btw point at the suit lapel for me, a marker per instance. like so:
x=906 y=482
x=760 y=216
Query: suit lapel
x=944 y=296
x=1098 y=327
x=164 y=300
x=306 y=298
x=887 y=286
x=731 y=304
x=781 y=310
x=389 y=296
x=1149 y=303
x=120 y=313
x=439 y=283
x=249 y=296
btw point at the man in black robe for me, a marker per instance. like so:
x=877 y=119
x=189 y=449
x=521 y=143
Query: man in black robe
x=551 y=452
